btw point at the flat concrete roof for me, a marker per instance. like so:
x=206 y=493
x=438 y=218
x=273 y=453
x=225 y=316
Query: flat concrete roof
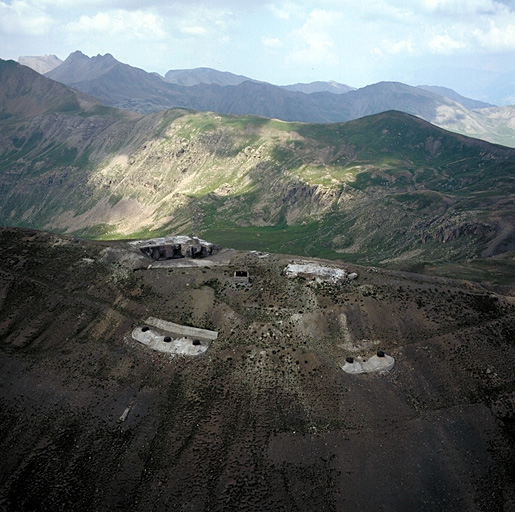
x=373 y=364
x=153 y=334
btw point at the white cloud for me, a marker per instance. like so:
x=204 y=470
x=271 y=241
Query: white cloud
x=446 y=4
x=286 y=11
x=193 y=31
x=21 y=17
x=201 y=21
x=386 y=11
x=130 y=25
x=315 y=39
x=280 y=13
x=465 y=8
x=395 y=47
x=444 y=43
x=429 y=40
x=71 y=3
x=445 y=27
x=271 y=42
x=496 y=37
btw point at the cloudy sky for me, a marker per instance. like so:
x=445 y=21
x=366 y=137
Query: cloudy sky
x=456 y=43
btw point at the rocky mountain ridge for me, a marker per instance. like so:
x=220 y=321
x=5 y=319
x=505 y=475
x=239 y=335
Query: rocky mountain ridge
x=123 y=86
x=189 y=77
x=319 y=86
x=453 y=95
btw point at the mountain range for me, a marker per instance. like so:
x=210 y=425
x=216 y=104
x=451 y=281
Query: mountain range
x=189 y=77
x=120 y=85
x=385 y=188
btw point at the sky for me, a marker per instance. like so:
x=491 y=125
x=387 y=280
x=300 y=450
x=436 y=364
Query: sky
x=462 y=44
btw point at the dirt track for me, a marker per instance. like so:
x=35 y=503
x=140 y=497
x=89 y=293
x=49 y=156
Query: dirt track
x=266 y=420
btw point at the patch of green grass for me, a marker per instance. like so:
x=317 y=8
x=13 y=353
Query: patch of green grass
x=195 y=123
x=285 y=156
x=416 y=200
x=279 y=239
x=98 y=232
x=68 y=106
x=115 y=199
x=320 y=175
x=498 y=270
x=366 y=179
x=32 y=142
x=144 y=233
x=62 y=155
x=244 y=123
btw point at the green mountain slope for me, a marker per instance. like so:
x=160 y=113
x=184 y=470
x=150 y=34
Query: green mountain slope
x=381 y=189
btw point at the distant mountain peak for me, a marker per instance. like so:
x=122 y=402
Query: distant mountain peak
x=77 y=54
x=25 y=93
x=309 y=88
x=42 y=64
x=78 y=68
x=106 y=56
x=203 y=75
x=453 y=95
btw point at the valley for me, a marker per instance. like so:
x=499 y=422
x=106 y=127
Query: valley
x=387 y=189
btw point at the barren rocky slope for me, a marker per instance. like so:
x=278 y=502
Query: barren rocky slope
x=267 y=419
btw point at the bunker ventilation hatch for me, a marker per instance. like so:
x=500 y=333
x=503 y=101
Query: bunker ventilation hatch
x=241 y=276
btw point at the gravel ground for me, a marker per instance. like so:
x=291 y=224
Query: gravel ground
x=266 y=419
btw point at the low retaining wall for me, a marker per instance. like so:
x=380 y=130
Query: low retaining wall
x=182 y=330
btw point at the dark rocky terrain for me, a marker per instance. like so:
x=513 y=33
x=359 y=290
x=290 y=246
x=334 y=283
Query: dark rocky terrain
x=266 y=420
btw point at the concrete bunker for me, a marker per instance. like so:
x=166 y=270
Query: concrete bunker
x=174 y=339
x=174 y=247
x=378 y=363
x=314 y=271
